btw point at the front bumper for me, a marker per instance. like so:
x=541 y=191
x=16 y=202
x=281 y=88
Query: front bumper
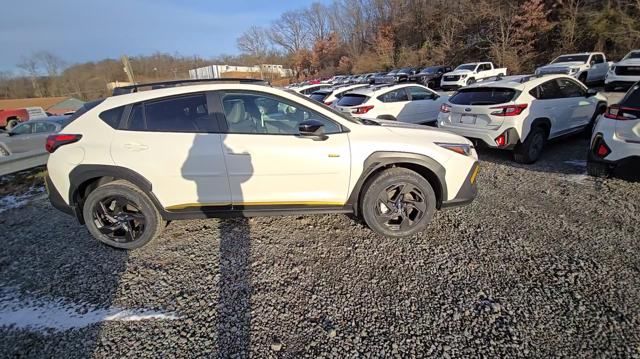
x=618 y=81
x=467 y=192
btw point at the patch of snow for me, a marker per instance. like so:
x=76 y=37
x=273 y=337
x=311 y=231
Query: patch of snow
x=16 y=201
x=56 y=315
x=579 y=179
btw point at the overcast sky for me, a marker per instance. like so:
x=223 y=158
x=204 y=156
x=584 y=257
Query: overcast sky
x=79 y=31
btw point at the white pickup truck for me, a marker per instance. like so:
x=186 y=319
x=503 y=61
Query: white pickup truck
x=624 y=73
x=467 y=74
x=587 y=67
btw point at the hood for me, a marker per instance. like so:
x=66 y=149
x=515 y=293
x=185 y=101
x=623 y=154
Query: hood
x=629 y=62
x=459 y=72
x=564 y=65
x=421 y=132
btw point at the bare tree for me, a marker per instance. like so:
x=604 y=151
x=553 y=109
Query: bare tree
x=254 y=41
x=31 y=66
x=289 y=32
x=316 y=19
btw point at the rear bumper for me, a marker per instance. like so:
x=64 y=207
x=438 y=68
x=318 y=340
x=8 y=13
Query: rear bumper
x=624 y=82
x=58 y=203
x=467 y=192
x=484 y=137
x=622 y=153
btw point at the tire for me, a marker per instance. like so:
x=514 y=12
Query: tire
x=385 y=207
x=387 y=117
x=471 y=81
x=597 y=169
x=530 y=150
x=124 y=200
x=4 y=152
x=583 y=78
x=11 y=124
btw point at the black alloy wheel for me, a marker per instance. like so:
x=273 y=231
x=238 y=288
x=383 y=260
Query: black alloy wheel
x=119 y=219
x=400 y=206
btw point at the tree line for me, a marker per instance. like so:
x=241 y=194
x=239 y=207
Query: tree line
x=371 y=35
x=356 y=36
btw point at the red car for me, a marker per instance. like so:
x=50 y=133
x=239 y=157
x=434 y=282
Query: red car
x=9 y=118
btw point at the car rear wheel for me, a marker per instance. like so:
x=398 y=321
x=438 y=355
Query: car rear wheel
x=530 y=150
x=122 y=216
x=398 y=203
x=597 y=169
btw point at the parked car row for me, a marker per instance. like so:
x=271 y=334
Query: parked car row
x=30 y=135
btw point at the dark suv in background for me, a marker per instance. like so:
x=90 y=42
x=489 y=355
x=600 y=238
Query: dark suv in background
x=430 y=76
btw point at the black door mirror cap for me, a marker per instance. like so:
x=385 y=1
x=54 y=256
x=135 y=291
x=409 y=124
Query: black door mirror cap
x=591 y=92
x=312 y=128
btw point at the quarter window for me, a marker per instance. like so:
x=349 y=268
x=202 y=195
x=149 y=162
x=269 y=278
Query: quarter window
x=398 y=95
x=112 y=117
x=251 y=113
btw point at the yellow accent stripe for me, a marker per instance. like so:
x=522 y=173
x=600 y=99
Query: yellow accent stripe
x=291 y=203
x=475 y=174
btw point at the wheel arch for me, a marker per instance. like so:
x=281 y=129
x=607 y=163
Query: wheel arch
x=424 y=165
x=543 y=122
x=86 y=178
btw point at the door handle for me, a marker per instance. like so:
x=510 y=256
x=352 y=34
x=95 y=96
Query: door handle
x=135 y=147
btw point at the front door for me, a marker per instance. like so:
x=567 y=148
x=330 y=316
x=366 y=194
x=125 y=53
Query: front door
x=580 y=107
x=172 y=142
x=270 y=164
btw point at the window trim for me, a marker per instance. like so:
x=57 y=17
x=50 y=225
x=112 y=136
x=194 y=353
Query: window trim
x=224 y=126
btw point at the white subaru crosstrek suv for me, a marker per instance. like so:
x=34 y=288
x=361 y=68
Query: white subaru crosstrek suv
x=521 y=113
x=131 y=162
x=329 y=95
x=406 y=102
x=616 y=136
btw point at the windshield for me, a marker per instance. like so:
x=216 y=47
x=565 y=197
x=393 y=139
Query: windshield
x=429 y=70
x=404 y=71
x=571 y=58
x=483 y=96
x=466 y=67
x=633 y=55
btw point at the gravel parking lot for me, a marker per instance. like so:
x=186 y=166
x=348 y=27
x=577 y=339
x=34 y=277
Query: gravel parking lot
x=543 y=264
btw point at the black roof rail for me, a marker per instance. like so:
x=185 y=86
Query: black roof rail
x=121 y=90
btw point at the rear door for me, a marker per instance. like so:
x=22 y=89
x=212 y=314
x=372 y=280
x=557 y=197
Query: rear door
x=41 y=130
x=174 y=143
x=395 y=104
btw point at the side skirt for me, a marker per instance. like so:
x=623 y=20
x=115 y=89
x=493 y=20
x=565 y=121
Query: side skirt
x=253 y=211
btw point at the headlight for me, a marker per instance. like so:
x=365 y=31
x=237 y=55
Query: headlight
x=463 y=149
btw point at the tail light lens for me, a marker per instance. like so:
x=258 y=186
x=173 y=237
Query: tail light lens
x=328 y=103
x=444 y=108
x=361 y=110
x=508 y=110
x=55 y=141
x=621 y=113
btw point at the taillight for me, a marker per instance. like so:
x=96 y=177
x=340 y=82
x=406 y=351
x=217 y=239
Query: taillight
x=361 y=110
x=508 y=110
x=600 y=148
x=328 y=103
x=444 y=108
x=55 y=141
x=617 y=112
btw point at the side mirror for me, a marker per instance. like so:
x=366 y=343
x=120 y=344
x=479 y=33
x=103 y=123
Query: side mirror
x=312 y=128
x=591 y=92
x=593 y=62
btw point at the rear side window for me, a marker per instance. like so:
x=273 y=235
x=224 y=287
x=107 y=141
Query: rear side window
x=483 y=96
x=112 y=117
x=351 y=99
x=175 y=114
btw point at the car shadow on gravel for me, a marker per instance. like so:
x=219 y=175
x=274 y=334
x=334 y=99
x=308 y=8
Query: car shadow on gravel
x=58 y=269
x=564 y=156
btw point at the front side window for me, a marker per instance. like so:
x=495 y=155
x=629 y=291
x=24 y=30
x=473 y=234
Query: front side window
x=43 y=127
x=546 y=91
x=398 y=95
x=251 y=113
x=597 y=59
x=569 y=88
x=418 y=94
x=22 y=129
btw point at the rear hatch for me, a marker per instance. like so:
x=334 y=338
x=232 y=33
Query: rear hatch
x=473 y=107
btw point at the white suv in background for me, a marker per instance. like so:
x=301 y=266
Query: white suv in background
x=521 y=113
x=410 y=103
x=616 y=136
x=134 y=161
x=587 y=67
x=624 y=73
x=329 y=95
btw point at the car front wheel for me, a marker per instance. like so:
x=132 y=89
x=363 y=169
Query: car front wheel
x=122 y=216
x=398 y=203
